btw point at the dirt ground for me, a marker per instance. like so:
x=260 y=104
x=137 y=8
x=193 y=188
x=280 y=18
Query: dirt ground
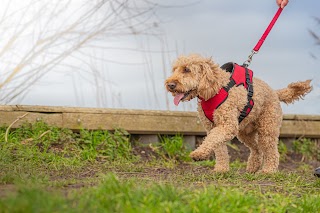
x=240 y=152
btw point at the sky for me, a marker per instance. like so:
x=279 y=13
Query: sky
x=225 y=30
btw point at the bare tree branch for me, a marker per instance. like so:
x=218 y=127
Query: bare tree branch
x=40 y=36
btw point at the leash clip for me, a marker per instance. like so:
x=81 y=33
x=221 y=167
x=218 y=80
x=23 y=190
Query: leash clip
x=248 y=61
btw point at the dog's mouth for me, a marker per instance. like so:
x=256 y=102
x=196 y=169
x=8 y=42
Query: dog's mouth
x=180 y=97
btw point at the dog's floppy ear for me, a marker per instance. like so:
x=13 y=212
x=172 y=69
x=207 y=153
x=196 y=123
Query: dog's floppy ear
x=208 y=79
x=206 y=84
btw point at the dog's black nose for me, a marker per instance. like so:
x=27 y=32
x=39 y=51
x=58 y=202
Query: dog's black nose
x=172 y=85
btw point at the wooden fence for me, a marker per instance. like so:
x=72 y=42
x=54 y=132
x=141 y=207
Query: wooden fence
x=138 y=121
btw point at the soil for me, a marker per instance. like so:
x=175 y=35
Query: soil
x=238 y=151
x=290 y=163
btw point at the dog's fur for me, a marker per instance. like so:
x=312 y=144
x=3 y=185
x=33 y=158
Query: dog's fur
x=196 y=76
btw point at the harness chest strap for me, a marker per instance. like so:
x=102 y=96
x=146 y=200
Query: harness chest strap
x=239 y=76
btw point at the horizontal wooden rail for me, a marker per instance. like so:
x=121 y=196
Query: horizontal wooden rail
x=138 y=121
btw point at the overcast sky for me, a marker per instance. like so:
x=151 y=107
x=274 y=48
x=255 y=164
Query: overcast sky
x=227 y=30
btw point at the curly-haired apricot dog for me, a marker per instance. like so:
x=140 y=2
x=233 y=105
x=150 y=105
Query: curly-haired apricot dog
x=254 y=120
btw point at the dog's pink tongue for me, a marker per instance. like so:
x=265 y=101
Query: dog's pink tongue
x=177 y=98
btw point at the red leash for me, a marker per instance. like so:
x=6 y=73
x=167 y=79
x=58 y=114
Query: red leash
x=263 y=38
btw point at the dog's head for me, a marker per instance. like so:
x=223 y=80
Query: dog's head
x=193 y=76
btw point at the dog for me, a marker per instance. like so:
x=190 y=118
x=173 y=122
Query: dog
x=194 y=76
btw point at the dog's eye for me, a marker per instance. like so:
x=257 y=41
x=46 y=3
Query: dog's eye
x=186 y=69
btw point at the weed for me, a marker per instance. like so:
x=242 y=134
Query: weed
x=283 y=150
x=174 y=148
x=307 y=148
x=102 y=144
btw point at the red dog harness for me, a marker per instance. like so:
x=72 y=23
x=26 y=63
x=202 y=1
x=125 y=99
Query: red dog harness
x=240 y=75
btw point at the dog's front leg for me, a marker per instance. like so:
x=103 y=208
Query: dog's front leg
x=225 y=130
x=222 y=158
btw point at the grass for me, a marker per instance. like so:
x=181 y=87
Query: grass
x=48 y=169
x=132 y=195
x=30 y=154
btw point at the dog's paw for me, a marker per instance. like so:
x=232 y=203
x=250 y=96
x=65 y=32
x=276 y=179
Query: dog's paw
x=199 y=155
x=219 y=169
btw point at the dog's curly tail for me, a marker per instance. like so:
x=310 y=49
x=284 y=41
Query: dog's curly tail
x=294 y=91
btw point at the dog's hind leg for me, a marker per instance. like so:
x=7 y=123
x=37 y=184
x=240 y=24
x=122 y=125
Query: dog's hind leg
x=255 y=158
x=269 y=124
